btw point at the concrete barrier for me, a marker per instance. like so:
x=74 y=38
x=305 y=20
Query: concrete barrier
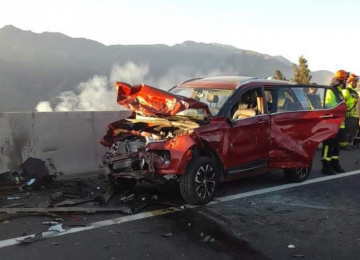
x=67 y=141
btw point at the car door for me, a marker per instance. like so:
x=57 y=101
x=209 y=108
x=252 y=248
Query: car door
x=300 y=121
x=248 y=136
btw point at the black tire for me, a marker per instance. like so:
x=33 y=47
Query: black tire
x=297 y=175
x=199 y=183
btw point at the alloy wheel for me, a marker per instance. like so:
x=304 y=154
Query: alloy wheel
x=302 y=172
x=205 y=181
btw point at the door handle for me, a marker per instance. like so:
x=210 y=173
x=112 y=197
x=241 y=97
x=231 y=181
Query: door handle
x=327 y=116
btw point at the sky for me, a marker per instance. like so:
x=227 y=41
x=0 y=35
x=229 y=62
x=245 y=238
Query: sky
x=326 y=32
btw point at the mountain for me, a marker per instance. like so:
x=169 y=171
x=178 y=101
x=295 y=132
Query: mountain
x=283 y=60
x=39 y=66
x=322 y=76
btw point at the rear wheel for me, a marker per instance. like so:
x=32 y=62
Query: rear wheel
x=297 y=174
x=199 y=183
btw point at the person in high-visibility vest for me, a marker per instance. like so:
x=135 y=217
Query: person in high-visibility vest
x=352 y=120
x=357 y=137
x=331 y=147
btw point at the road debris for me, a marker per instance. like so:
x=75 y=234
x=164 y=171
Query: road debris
x=103 y=199
x=141 y=207
x=55 y=244
x=209 y=239
x=31 y=182
x=125 y=210
x=57 y=196
x=13 y=197
x=10 y=179
x=34 y=168
x=130 y=197
x=291 y=246
x=31 y=239
x=68 y=203
x=51 y=223
x=57 y=228
x=167 y=234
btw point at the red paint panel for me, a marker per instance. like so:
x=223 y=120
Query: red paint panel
x=151 y=101
x=179 y=151
x=295 y=136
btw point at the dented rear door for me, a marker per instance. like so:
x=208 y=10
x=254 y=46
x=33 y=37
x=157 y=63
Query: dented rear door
x=301 y=118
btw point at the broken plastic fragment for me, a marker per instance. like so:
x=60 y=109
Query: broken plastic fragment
x=31 y=182
x=167 y=234
x=13 y=198
x=209 y=239
x=30 y=239
x=57 y=228
x=51 y=223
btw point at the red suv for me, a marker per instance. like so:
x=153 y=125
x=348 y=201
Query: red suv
x=208 y=130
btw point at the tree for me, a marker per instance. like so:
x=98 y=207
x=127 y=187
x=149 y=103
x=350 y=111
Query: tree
x=278 y=75
x=301 y=72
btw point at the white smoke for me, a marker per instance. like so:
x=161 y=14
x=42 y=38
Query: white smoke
x=44 y=106
x=98 y=93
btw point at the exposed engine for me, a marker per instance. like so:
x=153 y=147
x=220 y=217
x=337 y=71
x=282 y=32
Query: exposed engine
x=123 y=155
x=129 y=140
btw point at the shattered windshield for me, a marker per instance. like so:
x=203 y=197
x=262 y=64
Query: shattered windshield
x=214 y=98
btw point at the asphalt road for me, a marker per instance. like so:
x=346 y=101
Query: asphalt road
x=320 y=220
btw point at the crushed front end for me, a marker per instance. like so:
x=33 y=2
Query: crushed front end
x=148 y=149
x=157 y=140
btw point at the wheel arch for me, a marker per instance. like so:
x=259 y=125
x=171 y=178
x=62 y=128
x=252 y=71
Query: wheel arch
x=204 y=149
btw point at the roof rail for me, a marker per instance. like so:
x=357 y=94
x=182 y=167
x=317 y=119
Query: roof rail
x=188 y=80
x=245 y=81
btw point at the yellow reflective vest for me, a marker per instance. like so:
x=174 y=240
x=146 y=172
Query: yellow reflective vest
x=350 y=98
x=330 y=101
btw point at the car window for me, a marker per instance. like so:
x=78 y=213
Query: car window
x=305 y=98
x=269 y=93
x=250 y=103
x=214 y=98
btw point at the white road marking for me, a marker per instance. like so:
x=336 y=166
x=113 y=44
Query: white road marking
x=284 y=187
x=150 y=214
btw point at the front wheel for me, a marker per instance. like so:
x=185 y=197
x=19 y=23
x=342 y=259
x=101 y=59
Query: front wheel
x=199 y=183
x=297 y=174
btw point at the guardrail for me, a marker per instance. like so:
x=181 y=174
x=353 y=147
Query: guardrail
x=67 y=141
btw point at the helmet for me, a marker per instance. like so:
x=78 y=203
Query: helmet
x=352 y=78
x=341 y=75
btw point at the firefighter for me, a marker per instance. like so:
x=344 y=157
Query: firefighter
x=352 y=120
x=357 y=138
x=331 y=147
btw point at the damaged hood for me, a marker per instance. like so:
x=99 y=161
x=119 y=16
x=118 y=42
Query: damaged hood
x=151 y=101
